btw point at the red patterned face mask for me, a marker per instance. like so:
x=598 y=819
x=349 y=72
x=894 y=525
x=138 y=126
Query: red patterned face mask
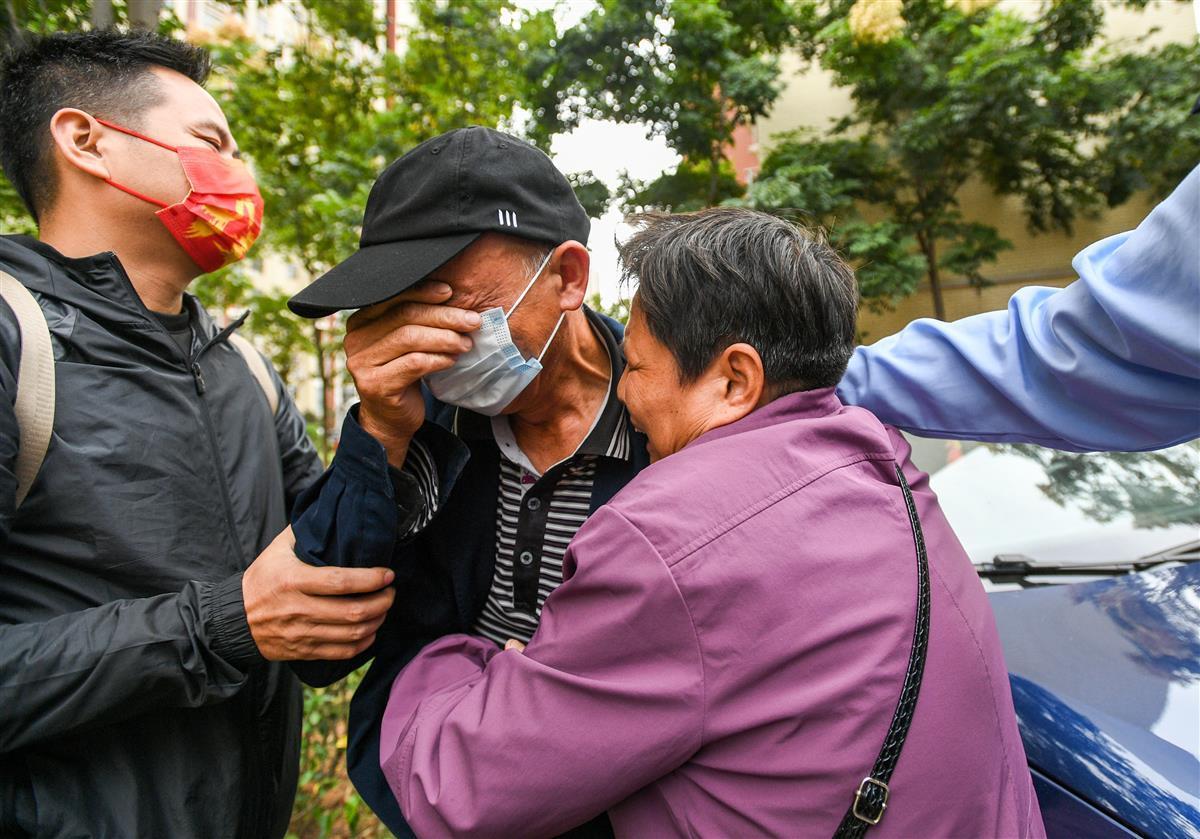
x=219 y=219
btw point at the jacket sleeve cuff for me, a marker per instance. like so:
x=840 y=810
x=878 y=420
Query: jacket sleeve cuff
x=445 y=455
x=349 y=517
x=224 y=614
x=361 y=458
x=435 y=459
x=355 y=515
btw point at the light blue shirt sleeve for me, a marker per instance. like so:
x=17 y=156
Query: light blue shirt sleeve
x=1111 y=362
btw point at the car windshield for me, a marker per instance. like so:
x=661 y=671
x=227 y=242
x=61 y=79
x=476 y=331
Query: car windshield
x=1065 y=508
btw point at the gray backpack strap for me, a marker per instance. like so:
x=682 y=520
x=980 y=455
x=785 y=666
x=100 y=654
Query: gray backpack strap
x=34 y=405
x=258 y=368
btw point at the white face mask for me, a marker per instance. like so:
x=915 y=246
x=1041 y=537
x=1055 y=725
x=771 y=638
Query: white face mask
x=490 y=375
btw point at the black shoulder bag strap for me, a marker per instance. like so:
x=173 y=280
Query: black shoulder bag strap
x=870 y=800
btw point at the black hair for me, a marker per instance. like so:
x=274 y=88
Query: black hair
x=105 y=72
x=726 y=275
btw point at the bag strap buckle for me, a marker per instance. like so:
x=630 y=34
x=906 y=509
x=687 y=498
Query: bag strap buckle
x=868 y=798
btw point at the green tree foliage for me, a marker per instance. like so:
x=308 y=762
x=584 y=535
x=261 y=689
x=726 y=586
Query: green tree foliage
x=14 y=218
x=327 y=806
x=690 y=187
x=1151 y=142
x=1034 y=105
x=618 y=311
x=16 y=18
x=822 y=184
x=464 y=63
x=20 y=16
x=691 y=71
x=593 y=194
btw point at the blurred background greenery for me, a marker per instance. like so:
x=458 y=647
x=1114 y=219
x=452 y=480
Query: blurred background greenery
x=965 y=132
x=326 y=803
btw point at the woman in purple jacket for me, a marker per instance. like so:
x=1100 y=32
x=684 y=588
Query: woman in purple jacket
x=728 y=653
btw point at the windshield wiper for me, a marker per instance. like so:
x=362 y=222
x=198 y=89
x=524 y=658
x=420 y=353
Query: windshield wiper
x=1015 y=568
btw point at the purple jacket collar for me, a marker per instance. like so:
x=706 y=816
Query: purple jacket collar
x=805 y=404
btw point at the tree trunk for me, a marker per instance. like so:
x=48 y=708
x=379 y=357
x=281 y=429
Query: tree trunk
x=328 y=401
x=715 y=154
x=102 y=13
x=318 y=339
x=929 y=249
x=325 y=373
x=144 y=13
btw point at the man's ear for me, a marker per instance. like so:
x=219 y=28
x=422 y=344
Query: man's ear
x=739 y=379
x=571 y=262
x=76 y=135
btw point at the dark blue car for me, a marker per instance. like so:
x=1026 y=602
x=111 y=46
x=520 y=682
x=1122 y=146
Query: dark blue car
x=1091 y=561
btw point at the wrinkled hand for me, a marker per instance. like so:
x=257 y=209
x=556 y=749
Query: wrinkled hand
x=514 y=644
x=390 y=347
x=300 y=612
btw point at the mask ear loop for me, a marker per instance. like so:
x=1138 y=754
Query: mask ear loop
x=550 y=340
x=558 y=325
x=136 y=194
x=139 y=136
x=537 y=274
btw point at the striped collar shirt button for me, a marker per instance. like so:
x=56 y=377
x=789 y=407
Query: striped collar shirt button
x=538 y=514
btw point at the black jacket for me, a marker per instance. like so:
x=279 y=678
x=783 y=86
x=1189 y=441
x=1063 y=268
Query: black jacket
x=133 y=701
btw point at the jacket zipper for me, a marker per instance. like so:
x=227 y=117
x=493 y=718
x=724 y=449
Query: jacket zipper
x=192 y=365
x=206 y=416
x=254 y=685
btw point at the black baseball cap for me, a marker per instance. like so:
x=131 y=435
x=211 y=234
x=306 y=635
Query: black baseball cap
x=436 y=200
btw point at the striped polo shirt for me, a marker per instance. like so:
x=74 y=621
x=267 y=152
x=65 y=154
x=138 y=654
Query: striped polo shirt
x=538 y=513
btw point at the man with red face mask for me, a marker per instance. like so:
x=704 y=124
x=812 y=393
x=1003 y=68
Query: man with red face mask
x=145 y=601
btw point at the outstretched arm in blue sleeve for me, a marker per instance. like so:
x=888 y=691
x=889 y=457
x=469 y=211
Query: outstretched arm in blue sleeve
x=1111 y=362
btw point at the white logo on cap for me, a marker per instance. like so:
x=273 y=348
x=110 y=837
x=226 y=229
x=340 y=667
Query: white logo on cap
x=507 y=218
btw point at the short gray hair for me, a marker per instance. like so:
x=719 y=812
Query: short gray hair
x=728 y=275
x=534 y=258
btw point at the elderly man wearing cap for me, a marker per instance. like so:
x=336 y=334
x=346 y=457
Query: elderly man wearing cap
x=470 y=280
x=489 y=426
